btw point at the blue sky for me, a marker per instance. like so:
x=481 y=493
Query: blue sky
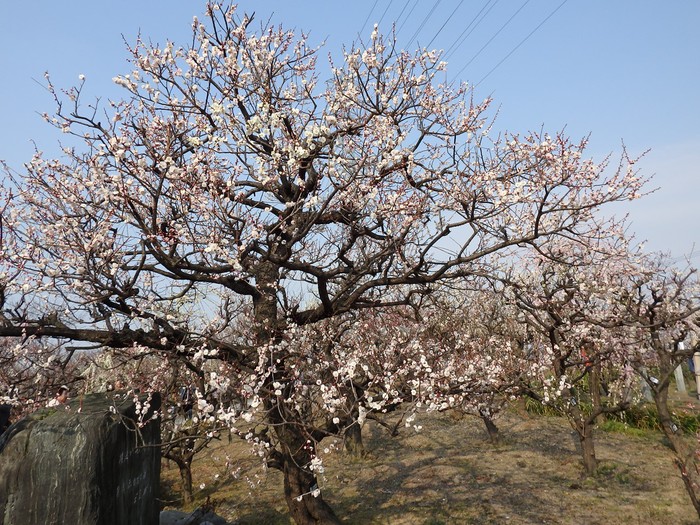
x=622 y=70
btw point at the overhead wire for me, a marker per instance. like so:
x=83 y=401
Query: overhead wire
x=404 y=9
x=517 y=46
x=385 y=10
x=415 y=3
x=495 y=35
x=478 y=18
x=368 y=17
x=445 y=23
x=422 y=24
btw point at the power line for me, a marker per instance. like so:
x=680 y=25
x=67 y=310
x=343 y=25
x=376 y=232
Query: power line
x=385 y=10
x=427 y=17
x=403 y=9
x=475 y=22
x=494 y=36
x=407 y=16
x=367 y=19
x=445 y=23
x=518 y=46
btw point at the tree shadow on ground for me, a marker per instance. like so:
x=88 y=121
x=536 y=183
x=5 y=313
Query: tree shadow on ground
x=449 y=473
x=534 y=475
x=439 y=483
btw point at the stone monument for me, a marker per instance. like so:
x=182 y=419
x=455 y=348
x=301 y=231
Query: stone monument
x=84 y=463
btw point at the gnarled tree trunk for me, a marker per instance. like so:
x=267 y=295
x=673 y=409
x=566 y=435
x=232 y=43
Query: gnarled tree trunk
x=296 y=450
x=352 y=440
x=294 y=458
x=685 y=456
x=304 y=500
x=585 y=435
x=184 y=465
x=583 y=425
x=491 y=427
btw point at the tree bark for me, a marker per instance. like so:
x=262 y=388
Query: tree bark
x=666 y=421
x=585 y=434
x=690 y=481
x=186 y=482
x=185 y=469
x=304 y=500
x=685 y=456
x=301 y=492
x=491 y=428
x=584 y=428
x=352 y=440
x=294 y=457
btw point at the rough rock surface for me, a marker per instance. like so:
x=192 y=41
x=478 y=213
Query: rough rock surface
x=86 y=464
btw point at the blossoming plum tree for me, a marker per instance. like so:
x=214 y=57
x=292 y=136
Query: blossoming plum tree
x=232 y=180
x=564 y=295
x=660 y=304
x=183 y=386
x=447 y=354
x=504 y=338
x=31 y=373
x=477 y=359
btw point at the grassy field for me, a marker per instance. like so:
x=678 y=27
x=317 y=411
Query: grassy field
x=448 y=473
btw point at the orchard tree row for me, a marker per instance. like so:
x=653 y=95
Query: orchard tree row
x=302 y=251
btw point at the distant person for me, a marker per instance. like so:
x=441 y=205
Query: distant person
x=61 y=397
x=186 y=401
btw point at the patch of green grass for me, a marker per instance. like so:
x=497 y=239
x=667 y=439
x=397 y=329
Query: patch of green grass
x=645 y=417
x=690 y=423
x=535 y=407
x=614 y=425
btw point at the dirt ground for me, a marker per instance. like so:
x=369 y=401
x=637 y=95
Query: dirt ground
x=448 y=473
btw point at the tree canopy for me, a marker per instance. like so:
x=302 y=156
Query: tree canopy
x=240 y=192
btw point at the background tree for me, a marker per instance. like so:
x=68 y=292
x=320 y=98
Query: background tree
x=661 y=304
x=478 y=362
x=564 y=296
x=232 y=179
x=31 y=373
x=186 y=430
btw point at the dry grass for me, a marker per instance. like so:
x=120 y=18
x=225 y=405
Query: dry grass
x=449 y=474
